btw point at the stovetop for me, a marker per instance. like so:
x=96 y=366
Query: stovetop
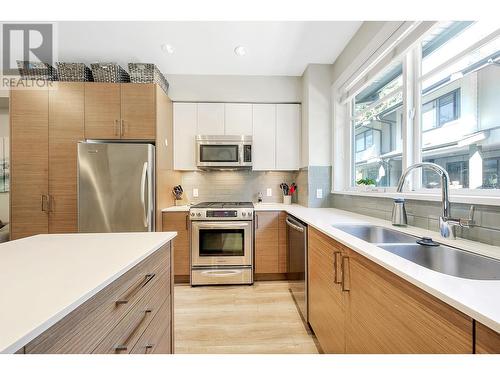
x=223 y=205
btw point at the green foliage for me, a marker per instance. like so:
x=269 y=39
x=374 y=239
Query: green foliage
x=366 y=181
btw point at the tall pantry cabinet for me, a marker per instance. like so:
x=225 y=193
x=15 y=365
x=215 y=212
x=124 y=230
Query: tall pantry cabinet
x=46 y=124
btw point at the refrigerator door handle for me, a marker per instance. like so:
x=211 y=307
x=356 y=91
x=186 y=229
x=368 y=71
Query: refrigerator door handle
x=143 y=191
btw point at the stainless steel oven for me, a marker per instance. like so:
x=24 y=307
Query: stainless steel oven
x=227 y=243
x=221 y=243
x=223 y=151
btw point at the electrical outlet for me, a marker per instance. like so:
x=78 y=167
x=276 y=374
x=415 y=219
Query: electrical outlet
x=319 y=193
x=269 y=192
x=195 y=193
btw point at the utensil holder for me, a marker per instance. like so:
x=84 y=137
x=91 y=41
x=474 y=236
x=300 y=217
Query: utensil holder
x=287 y=199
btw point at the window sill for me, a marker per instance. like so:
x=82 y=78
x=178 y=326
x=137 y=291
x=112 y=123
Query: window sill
x=454 y=198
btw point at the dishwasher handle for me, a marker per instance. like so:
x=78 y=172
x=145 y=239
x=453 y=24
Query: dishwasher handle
x=294 y=226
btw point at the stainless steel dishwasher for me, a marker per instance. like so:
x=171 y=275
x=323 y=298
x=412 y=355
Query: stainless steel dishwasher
x=297 y=262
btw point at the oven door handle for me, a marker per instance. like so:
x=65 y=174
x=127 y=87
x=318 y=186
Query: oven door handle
x=222 y=225
x=221 y=273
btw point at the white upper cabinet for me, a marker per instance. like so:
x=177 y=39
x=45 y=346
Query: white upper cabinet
x=185 y=131
x=210 y=118
x=264 y=137
x=287 y=137
x=238 y=119
x=275 y=128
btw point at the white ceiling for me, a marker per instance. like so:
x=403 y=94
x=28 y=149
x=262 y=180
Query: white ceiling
x=273 y=48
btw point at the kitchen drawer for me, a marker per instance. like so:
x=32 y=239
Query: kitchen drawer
x=127 y=332
x=82 y=329
x=157 y=338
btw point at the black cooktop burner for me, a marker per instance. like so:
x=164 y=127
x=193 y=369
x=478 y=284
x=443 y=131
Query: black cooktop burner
x=223 y=205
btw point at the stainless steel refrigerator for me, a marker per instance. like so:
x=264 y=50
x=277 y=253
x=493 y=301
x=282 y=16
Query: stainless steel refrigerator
x=116 y=187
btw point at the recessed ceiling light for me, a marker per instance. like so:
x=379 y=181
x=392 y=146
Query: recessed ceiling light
x=167 y=48
x=240 y=51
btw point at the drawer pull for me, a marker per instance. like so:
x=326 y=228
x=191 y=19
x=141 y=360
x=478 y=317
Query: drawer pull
x=338 y=264
x=131 y=292
x=148 y=348
x=346 y=275
x=124 y=347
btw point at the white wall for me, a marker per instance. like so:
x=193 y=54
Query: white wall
x=272 y=89
x=316 y=116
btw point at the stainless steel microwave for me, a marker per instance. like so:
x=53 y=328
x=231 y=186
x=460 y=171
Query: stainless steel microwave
x=223 y=151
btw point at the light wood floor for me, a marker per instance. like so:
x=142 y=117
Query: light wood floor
x=261 y=318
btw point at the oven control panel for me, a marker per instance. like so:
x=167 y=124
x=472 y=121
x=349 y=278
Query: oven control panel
x=221 y=214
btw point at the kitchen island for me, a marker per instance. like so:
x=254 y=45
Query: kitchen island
x=87 y=293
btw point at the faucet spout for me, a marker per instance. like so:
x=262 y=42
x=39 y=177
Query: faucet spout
x=445 y=181
x=446 y=223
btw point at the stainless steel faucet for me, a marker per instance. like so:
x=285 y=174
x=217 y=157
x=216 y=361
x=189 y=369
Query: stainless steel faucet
x=446 y=223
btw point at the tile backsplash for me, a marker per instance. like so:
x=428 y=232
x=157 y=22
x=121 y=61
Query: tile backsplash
x=236 y=185
x=425 y=214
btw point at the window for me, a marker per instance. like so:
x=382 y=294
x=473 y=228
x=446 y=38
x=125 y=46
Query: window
x=376 y=129
x=440 y=111
x=364 y=140
x=491 y=169
x=459 y=122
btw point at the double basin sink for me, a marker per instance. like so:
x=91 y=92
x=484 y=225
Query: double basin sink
x=438 y=257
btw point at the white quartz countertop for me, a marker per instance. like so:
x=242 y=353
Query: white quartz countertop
x=45 y=277
x=477 y=298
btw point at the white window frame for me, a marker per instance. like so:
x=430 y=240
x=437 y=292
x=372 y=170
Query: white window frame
x=409 y=52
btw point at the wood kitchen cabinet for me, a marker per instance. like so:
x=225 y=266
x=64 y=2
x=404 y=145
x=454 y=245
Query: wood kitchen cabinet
x=138 y=111
x=487 y=340
x=120 y=111
x=375 y=311
x=326 y=299
x=266 y=242
x=29 y=117
x=179 y=222
x=271 y=259
x=66 y=129
x=102 y=110
x=46 y=125
x=133 y=314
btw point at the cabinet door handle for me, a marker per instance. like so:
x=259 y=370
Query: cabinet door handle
x=122 y=128
x=117 y=131
x=147 y=348
x=124 y=347
x=338 y=266
x=45 y=203
x=135 y=289
x=51 y=202
x=346 y=275
x=256 y=221
x=187 y=222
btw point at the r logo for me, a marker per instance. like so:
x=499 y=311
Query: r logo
x=27 y=42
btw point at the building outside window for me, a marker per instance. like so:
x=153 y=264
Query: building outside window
x=440 y=111
x=376 y=130
x=460 y=120
x=459 y=123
